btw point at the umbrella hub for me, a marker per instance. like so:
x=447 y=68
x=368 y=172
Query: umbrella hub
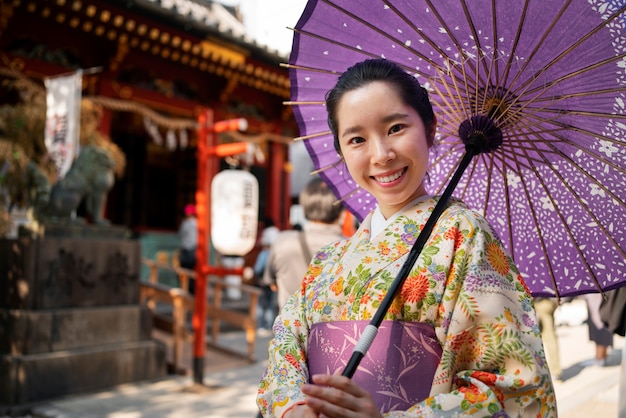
x=496 y=102
x=480 y=134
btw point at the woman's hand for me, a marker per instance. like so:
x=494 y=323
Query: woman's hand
x=337 y=396
x=301 y=411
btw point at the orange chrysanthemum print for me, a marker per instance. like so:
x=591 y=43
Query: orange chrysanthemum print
x=415 y=288
x=315 y=271
x=451 y=275
x=497 y=258
x=291 y=359
x=365 y=299
x=488 y=378
x=337 y=286
x=473 y=395
x=456 y=235
x=523 y=282
x=384 y=249
x=401 y=248
x=306 y=281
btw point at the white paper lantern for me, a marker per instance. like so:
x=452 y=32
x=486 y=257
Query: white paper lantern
x=234 y=212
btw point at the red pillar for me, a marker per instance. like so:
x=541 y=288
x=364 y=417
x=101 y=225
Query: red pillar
x=207 y=168
x=275 y=186
x=208 y=154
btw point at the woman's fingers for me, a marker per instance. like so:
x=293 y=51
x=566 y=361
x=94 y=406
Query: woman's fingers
x=339 y=396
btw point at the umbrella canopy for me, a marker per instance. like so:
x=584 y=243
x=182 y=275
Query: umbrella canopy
x=550 y=74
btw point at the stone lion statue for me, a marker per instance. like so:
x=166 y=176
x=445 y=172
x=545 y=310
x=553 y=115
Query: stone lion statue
x=90 y=178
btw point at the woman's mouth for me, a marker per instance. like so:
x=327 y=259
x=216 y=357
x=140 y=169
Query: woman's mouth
x=391 y=177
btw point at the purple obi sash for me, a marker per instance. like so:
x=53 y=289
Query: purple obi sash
x=398 y=368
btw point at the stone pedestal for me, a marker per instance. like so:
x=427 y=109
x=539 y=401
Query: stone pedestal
x=70 y=319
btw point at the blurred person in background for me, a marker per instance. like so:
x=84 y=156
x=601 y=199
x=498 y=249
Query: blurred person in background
x=267 y=308
x=292 y=251
x=188 y=234
x=545 y=308
x=598 y=332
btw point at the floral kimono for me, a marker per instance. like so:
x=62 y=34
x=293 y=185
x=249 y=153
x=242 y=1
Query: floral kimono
x=465 y=295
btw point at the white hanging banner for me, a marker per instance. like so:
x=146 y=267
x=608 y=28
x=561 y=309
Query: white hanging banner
x=63 y=96
x=234 y=212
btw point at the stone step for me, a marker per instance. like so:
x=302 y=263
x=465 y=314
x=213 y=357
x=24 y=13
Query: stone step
x=24 y=332
x=36 y=377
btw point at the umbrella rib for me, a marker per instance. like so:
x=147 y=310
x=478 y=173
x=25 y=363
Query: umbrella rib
x=451 y=151
x=518 y=112
x=513 y=150
x=512 y=115
x=571 y=48
x=451 y=107
x=292 y=103
x=470 y=174
x=510 y=145
x=578 y=72
x=349 y=195
x=537 y=46
x=314 y=135
x=576 y=165
x=494 y=25
x=434 y=45
x=458 y=90
x=565 y=127
x=593 y=135
x=507 y=205
x=380 y=32
x=481 y=53
x=307 y=68
x=430 y=42
x=518 y=34
x=588 y=93
x=327 y=167
x=428 y=60
x=341 y=44
x=490 y=171
x=542 y=242
x=601 y=115
x=555 y=98
x=564 y=222
x=493 y=65
x=445 y=135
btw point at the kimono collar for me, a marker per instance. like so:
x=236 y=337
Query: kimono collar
x=379 y=223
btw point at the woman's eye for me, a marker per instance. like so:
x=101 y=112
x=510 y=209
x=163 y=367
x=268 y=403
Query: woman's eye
x=356 y=140
x=396 y=128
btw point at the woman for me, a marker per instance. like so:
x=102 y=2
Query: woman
x=461 y=338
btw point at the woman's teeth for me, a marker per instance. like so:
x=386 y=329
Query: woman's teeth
x=389 y=179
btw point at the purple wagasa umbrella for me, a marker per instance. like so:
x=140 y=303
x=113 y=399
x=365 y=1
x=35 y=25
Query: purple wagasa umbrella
x=550 y=75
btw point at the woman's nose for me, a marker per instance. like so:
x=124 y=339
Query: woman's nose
x=382 y=152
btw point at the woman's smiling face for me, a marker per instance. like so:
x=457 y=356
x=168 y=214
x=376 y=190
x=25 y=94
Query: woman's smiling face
x=383 y=142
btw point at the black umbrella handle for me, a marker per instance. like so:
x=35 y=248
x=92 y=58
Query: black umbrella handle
x=369 y=333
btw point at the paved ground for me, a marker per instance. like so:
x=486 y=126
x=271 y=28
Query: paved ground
x=230 y=387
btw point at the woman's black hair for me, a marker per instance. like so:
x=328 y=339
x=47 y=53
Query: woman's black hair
x=368 y=71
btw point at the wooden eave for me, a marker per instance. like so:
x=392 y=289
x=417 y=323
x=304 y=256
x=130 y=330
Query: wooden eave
x=131 y=29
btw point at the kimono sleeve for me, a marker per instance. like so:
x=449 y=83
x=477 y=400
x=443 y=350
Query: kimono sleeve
x=493 y=361
x=286 y=370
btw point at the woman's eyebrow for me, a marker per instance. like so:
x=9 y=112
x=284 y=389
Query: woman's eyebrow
x=395 y=116
x=389 y=118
